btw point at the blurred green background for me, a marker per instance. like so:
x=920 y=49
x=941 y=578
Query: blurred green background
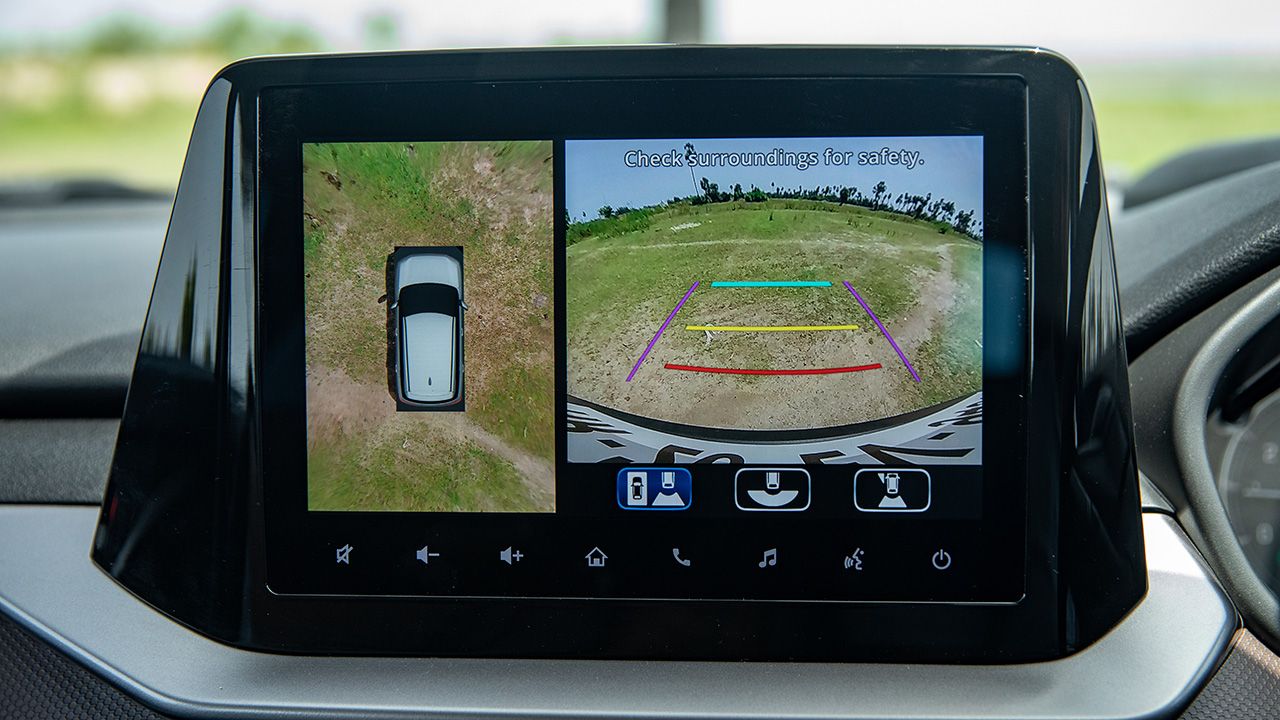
x=117 y=100
x=112 y=93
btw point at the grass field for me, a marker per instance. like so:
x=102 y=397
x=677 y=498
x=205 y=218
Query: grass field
x=1150 y=111
x=625 y=278
x=413 y=468
x=130 y=119
x=361 y=200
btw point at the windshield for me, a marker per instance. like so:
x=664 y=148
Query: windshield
x=108 y=90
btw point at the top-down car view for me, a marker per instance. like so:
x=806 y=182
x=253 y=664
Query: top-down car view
x=649 y=359
x=427 y=309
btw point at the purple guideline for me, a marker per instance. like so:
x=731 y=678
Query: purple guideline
x=880 y=325
x=662 y=329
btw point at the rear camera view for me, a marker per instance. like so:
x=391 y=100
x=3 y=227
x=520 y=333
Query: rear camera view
x=774 y=300
x=430 y=329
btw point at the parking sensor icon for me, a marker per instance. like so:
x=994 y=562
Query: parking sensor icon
x=892 y=490
x=655 y=489
x=771 y=489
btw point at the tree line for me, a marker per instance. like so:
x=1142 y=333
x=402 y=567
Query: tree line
x=918 y=207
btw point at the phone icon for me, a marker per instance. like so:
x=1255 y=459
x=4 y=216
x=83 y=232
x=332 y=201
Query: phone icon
x=675 y=553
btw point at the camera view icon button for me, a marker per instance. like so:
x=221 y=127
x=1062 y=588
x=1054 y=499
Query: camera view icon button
x=655 y=489
x=771 y=489
x=892 y=490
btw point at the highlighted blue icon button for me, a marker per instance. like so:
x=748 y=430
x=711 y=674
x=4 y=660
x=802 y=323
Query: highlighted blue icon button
x=655 y=489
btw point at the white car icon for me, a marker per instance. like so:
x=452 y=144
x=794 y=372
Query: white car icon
x=427 y=318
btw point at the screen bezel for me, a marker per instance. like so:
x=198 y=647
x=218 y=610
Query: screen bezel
x=992 y=107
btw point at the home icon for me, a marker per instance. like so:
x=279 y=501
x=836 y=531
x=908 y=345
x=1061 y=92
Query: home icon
x=596 y=558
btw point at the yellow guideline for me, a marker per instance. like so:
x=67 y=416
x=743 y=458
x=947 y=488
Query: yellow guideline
x=768 y=328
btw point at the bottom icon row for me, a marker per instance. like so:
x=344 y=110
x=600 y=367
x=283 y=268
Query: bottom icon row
x=597 y=558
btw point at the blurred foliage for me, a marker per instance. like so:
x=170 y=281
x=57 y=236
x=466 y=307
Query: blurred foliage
x=118 y=100
x=234 y=33
x=239 y=33
x=381 y=32
x=1149 y=111
x=123 y=34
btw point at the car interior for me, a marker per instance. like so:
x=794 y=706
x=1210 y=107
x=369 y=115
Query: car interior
x=797 y=381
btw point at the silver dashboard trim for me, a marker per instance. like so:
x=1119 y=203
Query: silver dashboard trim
x=1150 y=665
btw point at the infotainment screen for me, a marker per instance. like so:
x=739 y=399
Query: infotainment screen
x=668 y=353
x=569 y=363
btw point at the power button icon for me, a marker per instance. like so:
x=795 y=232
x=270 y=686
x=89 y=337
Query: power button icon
x=941 y=559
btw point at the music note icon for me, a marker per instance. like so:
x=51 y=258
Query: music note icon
x=770 y=558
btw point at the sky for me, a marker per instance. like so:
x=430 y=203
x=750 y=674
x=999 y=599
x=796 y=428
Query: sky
x=1081 y=29
x=596 y=172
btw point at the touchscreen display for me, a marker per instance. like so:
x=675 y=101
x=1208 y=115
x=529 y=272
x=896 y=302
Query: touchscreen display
x=577 y=366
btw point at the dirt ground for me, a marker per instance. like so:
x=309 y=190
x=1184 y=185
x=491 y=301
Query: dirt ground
x=766 y=402
x=339 y=407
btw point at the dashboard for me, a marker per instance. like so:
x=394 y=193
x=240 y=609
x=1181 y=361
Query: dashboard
x=1242 y=438
x=686 y=392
